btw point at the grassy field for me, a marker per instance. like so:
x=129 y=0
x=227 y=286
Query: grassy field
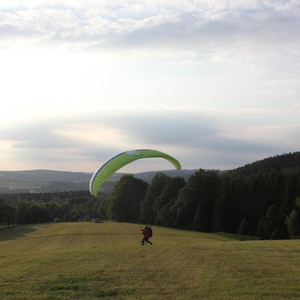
x=106 y=261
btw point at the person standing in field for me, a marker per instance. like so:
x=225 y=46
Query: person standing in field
x=147 y=233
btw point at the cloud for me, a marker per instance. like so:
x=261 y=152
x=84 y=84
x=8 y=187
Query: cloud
x=47 y=139
x=198 y=139
x=192 y=26
x=194 y=56
x=207 y=130
x=164 y=127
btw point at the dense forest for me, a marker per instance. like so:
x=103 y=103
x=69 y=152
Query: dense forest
x=260 y=199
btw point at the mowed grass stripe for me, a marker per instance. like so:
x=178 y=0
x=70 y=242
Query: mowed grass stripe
x=93 y=261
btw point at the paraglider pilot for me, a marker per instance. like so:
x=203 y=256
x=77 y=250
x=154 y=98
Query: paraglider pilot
x=147 y=233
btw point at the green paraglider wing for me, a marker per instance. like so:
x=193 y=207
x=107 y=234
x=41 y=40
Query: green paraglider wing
x=121 y=160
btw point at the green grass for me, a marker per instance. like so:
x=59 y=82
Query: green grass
x=106 y=261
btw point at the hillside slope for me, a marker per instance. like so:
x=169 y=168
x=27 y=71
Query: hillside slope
x=288 y=162
x=106 y=261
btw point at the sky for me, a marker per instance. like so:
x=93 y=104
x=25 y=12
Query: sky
x=214 y=83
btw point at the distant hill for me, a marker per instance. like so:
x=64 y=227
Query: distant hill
x=60 y=181
x=35 y=181
x=42 y=181
x=288 y=162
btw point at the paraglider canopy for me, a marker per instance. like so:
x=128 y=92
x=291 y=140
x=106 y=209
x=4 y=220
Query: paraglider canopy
x=121 y=160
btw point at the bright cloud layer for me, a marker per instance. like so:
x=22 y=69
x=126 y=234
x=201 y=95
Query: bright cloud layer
x=215 y=83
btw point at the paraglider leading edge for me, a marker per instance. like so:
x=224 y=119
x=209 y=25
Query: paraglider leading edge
x=122 y=159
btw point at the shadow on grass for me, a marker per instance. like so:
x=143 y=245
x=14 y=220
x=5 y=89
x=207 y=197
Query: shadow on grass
x=15 y=232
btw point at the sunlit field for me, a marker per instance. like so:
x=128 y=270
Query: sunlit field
x=105 y=260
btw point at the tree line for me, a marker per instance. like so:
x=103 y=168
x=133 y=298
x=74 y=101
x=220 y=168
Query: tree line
x=264 y=203
x=28 y=208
